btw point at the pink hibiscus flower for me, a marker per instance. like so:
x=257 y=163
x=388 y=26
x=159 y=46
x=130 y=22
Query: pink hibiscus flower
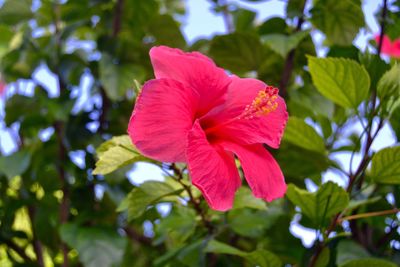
x=2 y=88
x=390 y=48
x=194 y=112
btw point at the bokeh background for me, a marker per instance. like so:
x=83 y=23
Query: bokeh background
x=71 y=71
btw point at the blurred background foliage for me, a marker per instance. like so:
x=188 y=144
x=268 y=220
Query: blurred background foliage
x=58 y=207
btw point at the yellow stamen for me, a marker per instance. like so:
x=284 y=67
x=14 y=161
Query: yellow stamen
x=264 y=103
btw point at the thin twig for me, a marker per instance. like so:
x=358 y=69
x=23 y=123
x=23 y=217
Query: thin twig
x=37 y=245
x=192 y=200
x=117 y=18
x=289 y=62
x=226 y=16
x=134 y=235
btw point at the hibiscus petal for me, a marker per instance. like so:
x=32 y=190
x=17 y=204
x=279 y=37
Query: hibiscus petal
x=265 y=129
x=262 y=172
x=388 y=47
x=195 y=70
x=212 y=169
x=162 y=119
x=395 y=49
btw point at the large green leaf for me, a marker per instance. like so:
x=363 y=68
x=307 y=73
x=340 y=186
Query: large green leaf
x=385 y=167
x=339 y=20
x=239 y=52
x=15 y=164
x=97 y=247
x=13 y=12
x=258 y=257
x=282 y=44
x=343 y=81
x=320 y=205
x=116 y=153
x=118 y=78
x=303 y=135
x=369 y=262
x=149 y=193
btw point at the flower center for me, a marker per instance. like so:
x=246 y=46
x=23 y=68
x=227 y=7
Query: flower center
x=264 y=103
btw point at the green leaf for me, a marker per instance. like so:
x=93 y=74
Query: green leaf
x=13 y=12
x=320 y=205
x=369 y=262
x=246 y=48
x=343 y=81
x=385 y=167
x=5 y=37
x=243 y=19
x=374 y=65
x=193 y=254
x=395 y=122
x=389 y=84
x=244 y=199
x=303 y=135
x=323 y=258
x=258 y=257
x=122 y=140
x=348 y=250
x=221 y=248
x=149 y=193
x=249 y=223
x=178 y=226
x=272 y=25
x=339 y=20
x=350 y=52
x=118 y=78
x=97 y=246
x=116 y=153
x=283 y=44
x=298 y=163
x=294 y=8
x=15 y=164
x=166 y=31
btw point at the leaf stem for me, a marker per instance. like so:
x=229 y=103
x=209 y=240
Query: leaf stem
x=368 y=214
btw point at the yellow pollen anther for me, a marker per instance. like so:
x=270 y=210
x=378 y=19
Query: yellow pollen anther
x=263 y=104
